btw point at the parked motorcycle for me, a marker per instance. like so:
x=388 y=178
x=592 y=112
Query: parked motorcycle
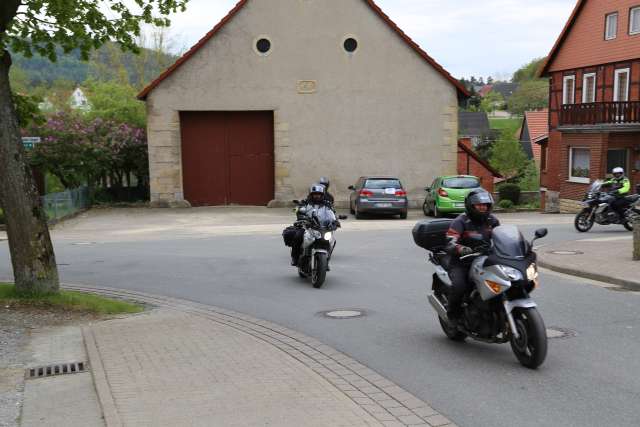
x=597 y=209
x=499 y=309
x=320 y=224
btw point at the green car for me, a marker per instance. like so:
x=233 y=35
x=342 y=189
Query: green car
x=447 y=193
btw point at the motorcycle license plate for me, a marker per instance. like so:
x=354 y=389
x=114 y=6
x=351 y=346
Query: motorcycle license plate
x=383 y=205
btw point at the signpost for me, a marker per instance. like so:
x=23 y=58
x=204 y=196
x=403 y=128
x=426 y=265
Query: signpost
x=29 y=142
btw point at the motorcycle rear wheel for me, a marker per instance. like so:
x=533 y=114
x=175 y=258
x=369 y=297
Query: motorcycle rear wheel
x=319 y=273
x=531 y=347
x=582 y=221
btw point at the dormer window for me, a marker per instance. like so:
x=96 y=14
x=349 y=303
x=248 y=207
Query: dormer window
x=634 y=21
x=611 y=26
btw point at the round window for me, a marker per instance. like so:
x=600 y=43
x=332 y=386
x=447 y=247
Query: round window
x=350 y=45
x=263 y=45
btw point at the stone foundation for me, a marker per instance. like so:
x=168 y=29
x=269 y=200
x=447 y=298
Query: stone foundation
x=570 y=206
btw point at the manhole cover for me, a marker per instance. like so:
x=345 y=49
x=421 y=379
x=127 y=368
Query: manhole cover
x=566 y=252
x=555 y=332
x=343 y=313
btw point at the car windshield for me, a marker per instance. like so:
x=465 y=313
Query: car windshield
x=460 y=183
x=325 y=215
x=379 y=184
x=509 y=242
x=595 y=186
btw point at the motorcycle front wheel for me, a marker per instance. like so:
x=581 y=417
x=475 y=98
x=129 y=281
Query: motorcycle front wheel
x=320 y=271
x=531 y=346
x=583 y=222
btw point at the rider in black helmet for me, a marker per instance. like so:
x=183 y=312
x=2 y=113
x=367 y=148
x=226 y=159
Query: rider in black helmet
x=324 y=181
x=467 y=230
x=317 y=196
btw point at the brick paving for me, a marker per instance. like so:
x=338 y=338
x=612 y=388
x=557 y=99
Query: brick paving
x=190 y=364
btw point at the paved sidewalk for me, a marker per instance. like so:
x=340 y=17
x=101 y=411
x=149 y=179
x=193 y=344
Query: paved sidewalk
x=186 y=364
x=606 y=259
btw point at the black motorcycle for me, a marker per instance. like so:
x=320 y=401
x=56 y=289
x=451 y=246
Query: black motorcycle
x=499 y=309
x=597 y=209
x=319 y=223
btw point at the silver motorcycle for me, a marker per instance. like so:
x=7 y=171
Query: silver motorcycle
x=499 y=309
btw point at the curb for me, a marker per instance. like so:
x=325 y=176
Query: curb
x=384 y=400
x=103 y=391
x=627 y=284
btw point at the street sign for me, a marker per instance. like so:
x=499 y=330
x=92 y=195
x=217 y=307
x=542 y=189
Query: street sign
x=30 y=141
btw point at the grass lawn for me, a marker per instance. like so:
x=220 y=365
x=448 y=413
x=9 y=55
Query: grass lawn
x=510 y=125
x=69 y=301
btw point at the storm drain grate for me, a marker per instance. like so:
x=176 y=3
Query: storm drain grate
x=57 y=369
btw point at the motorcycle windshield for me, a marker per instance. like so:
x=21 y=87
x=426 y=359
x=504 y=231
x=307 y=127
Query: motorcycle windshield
x=325 y=216
x=595 y=186
x=509 y=243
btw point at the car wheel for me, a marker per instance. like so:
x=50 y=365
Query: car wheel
x=357 y=213
x=436 y=211
x=403 y=215
x=351 y=209
x=425 y=209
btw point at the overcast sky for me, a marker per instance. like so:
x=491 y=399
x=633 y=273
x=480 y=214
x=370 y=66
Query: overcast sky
x=467 y=37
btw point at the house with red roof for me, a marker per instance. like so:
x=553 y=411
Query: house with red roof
x=282 y=92
x=594 y=94
x=470 y=163
x=534 y=134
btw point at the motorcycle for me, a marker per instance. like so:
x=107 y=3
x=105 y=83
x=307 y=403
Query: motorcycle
x=596 y=209
x=499 y=309
x=320 y=224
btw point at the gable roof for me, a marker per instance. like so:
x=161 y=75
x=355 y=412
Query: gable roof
x=544 y=69
x=505 y=89
x=479 y=159
x=537 y=122
x=473 y=123
x=462 y=90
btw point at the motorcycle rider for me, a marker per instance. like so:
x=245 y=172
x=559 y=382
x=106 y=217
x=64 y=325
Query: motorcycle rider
x=316 y=197
x=468 y=229
x=324 y=181
x=620 y=187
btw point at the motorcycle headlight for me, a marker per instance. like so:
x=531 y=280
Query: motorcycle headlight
x=328 y=235
x=532 y=272
x=511 y=272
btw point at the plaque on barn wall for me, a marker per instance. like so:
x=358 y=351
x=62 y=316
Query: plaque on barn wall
x=307 y=86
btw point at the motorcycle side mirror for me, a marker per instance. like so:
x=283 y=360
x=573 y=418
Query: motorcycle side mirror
x=541 y=232
x=342 y=217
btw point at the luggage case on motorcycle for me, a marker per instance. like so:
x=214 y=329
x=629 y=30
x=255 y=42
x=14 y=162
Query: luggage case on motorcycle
x=289 y=235
x=431 y=234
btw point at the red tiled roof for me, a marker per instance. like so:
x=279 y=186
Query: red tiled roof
x=538 y=124
x=547 y=63
x=459 y=86
x=484 y=90
x=479 y=159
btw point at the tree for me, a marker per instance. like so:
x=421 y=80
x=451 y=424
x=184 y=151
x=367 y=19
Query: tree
x=39 y=26
x=530 y=95
x=528 y=72
x=117 y=102
x=491 y=102
x=508 y=157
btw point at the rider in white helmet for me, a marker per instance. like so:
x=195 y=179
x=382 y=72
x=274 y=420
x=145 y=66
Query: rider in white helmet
x=620 y=186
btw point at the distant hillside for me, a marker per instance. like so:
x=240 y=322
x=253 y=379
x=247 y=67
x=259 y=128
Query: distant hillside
x=107 y=63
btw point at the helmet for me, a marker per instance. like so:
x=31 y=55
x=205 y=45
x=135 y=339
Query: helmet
x=618 y=172
x=478 y=197
x=325 y=182
x=316 y=193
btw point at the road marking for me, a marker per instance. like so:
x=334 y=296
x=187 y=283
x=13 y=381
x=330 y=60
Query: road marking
x=607 y=239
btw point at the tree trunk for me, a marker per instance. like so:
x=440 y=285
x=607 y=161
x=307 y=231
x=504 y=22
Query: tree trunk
x=34 y=263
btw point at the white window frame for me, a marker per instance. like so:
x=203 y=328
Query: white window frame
x=607 y=27
x=578 y=179
x=616 y=84
x=584 y=86
x=632 y=11
x=565 y=101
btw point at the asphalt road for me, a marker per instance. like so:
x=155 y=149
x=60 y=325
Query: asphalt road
x=590 y=378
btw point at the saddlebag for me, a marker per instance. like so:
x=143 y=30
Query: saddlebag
x=432 y=234
x=289 y=235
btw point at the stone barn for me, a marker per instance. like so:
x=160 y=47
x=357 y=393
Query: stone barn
x=281 y=92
